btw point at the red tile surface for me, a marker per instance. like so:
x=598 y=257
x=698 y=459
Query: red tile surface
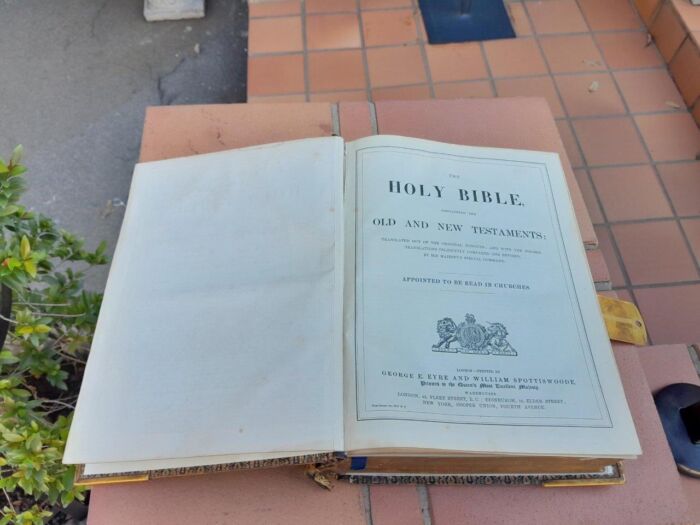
x=671 y=313
x=330 y=6
x=278 y=8
x=654 y=252
x=381 y=4
x=682 y=181
x=177 y=131
x=419 y=92
x=649 y=90
x=631 y=192
x=688 y=13
x=685 y=69
x=519 y=18
x=332 y=31
x=355 y=120
x=395 y=66
x=599 y=268
x=572 y=54
x=647 y=9
x=691 y=227
x=514 y=57
x=570 y=144
x=556 y=16
x=339 y=96
x=670 y=137
x=275 y=75
x=452 y=62
x=586 y=187
x=628 y=50
x=652 y=494
x=478 y=88
x=336 y=70
x=607 y=15
x=606 y=244
x=668 y=31
x=590 y=95
x=608 y=141
x=398 y=505
x=275 y=35
x=532 y=87
x=283 y=496
x=386 y=28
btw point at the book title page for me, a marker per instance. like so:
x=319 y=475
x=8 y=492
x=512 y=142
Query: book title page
x=466 y=307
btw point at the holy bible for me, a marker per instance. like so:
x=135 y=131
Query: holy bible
x=389 y=309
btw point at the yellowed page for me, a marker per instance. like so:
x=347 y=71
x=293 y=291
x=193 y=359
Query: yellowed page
x=220 y=331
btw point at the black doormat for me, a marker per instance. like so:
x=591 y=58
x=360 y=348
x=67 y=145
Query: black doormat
x=449 y=21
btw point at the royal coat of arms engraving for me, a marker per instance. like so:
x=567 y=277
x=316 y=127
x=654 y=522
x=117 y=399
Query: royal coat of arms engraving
x=473 y=338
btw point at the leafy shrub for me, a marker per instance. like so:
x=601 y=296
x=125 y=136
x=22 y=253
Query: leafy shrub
x=51 y=324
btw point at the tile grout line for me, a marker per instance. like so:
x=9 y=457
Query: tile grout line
x=657 y=175
x=373 y=118
x=335 y=119
x=669 y=284
x=366 y=502
x=489 y=72
x=363 y=49
x=423 y=51
x=425 y=505
x=307 y=87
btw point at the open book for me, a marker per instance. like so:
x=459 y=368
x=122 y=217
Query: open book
x=411 y=306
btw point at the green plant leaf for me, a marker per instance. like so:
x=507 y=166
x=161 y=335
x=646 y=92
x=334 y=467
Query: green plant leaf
x=17 y=154
x=30 y=267
x=25 y=248
x=12 y=437
x=9 y=210
x=3 y=167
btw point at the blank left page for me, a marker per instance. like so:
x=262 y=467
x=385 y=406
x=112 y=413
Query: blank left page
x=220 y=331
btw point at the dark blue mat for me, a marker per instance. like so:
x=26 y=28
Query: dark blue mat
x=449 y=21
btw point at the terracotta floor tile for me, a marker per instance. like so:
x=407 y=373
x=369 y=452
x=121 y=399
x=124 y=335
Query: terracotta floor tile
x=332 y=31
x=570 y=145
x=556 y=16
x=605 y=243
x=668 y=31
x=477 y=88
x=336 y=70
x=685 y=69
x=275 y=35
x=692 y=231
x=654 y=252
x=519 y=18
x=420 y=92
x=355 y=120
x=572 y=54
x=682 y=183
x=275 y=75
x=386 y=28
x=279 y=8
x=590 y=95
x=397 y=504
x=514 y=57
x=394 y=66
x=339 y=96
x=330 y=6
x=649 y=90
x=671 y=313
x=670 y=137
x=689 y=14
x=631 y=192
x=625 y=295
x=589 y=196
x=276 y=99
x=606 y=15
x=610 y=141
x=532 y=87
x=628 y=50
x=647 y=9
x=382 y=4
x=450 y=62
